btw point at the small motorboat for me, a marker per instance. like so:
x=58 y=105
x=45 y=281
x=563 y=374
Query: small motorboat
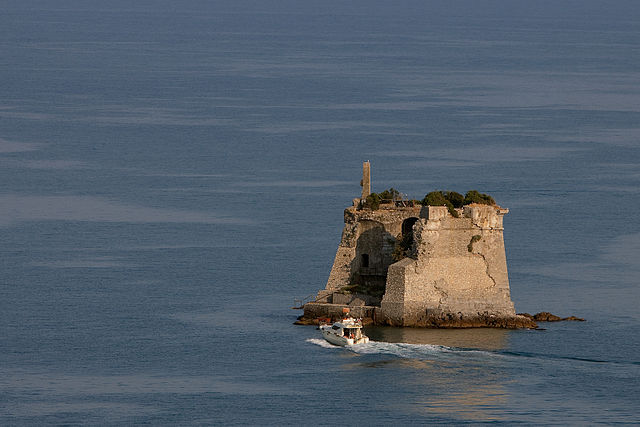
x=347 y=331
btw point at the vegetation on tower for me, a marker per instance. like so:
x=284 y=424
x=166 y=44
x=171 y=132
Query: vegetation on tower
x=451 y=199
x=373 y=200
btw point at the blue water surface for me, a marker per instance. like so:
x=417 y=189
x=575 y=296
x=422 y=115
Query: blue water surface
x=173 y=175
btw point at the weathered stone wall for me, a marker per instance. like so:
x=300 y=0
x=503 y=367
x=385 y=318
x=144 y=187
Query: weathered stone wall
x=456 y=272
x=366 y=232
x=444 y=277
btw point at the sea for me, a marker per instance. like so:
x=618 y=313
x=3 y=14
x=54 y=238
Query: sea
x=173 y=176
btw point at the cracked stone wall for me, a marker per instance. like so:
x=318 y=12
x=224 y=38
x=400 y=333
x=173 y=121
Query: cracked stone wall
x=444 y=276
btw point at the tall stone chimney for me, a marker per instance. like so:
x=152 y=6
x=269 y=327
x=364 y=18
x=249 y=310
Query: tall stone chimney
x=366 y=179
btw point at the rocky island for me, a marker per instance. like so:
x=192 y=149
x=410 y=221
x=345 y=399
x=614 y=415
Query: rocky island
x=439 y=262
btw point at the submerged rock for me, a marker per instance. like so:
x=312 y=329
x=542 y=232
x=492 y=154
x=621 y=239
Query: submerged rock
x=545 y=316
x=574 y=319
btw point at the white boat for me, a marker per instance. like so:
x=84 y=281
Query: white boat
x=347 y=331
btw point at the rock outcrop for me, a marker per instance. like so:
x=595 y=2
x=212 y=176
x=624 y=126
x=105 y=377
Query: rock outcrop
x=545 y=316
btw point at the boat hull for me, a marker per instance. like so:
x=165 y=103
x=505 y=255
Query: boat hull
x=336 y=339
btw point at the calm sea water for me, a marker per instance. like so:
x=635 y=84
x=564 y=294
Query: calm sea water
x=173 y=175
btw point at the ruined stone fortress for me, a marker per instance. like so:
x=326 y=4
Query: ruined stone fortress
x=454 y=273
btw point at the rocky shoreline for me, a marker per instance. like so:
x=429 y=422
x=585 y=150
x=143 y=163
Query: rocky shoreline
x=545 y=316
x=450 y=321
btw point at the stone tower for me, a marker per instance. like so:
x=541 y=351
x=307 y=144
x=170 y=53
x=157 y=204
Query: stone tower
x=452 y=274
x=366 y=180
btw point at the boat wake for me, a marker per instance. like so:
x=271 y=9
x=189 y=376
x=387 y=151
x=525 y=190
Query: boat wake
x=322 y=343
x=409 y=351
x=441 y=352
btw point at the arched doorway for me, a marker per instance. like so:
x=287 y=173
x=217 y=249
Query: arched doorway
x=404 y=246
x=407 y=229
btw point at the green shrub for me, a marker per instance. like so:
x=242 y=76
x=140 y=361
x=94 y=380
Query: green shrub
x=437 y=198
x=456 y=199
x=390 y=194
x=371 y=202
x=474 y=196
x=451 y=199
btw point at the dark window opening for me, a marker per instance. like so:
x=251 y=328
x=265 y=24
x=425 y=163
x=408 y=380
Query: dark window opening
x=365 y=260
x=407 y=226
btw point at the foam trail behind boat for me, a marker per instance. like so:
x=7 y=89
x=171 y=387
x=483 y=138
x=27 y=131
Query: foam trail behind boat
x=408 y=351
x=322 y=343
